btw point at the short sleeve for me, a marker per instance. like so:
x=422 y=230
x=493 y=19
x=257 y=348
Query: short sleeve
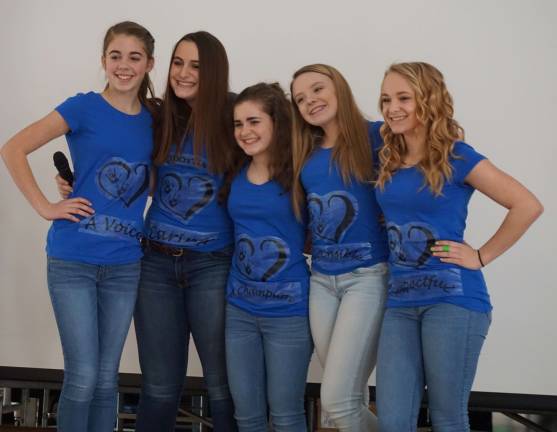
x=72 y=111
x=466 y=158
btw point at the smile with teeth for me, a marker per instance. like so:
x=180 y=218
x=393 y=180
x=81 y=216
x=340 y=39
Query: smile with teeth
x=250 y=140
x=317 y=109
x=397 y=117
x=124 y=77
x=185 y=83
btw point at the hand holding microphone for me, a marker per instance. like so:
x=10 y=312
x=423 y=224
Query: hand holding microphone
x=64 y=178
x=68 y=208
x=63 y=167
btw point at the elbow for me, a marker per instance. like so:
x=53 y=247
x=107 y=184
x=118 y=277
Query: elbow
x=537 y=209
x=4 y=151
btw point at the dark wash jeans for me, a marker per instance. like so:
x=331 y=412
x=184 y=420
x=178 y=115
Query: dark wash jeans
x=178 y=296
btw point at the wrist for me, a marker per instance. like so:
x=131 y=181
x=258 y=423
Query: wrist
x=480 y=258
x=42 y=208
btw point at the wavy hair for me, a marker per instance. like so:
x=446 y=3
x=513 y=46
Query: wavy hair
x=434 y=110
x=352 y=151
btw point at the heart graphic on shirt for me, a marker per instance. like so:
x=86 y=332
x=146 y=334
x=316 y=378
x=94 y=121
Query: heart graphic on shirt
x=261 y=258
x=331 y=215
x=410 y=244
x=119 y=179
x=186 y=195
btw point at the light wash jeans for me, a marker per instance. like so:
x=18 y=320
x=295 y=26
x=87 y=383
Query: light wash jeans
x=268 y=360
x=437 y=346
x=93 y=306
x=179 y=296
x=345 y=315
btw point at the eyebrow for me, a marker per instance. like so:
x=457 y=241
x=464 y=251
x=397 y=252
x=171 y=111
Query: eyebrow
x=247 y=119
x=311 y=86
x=397 y=93
x=120 y=52
x=180 y=58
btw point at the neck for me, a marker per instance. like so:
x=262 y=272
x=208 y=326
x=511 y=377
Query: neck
x=127 y=102
x=258 y=169
x=331 y=134
x=415 y=146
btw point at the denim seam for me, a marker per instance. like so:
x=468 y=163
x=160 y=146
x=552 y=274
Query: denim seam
x=463 y=413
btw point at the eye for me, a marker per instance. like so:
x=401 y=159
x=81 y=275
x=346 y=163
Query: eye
x=114 y=57
x=195 y=65
x=405 y=98
x=136 y=58
x=299 y=100
x=237 y=125
x=254 y=122
x=177 y=62
x=318 y=89
x=385 y=100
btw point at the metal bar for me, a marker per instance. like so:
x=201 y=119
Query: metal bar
x=195 y=417
x=525 y=422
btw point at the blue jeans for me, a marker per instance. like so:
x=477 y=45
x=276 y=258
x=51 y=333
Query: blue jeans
x=93 y=306
x=436 y=346
x=268 y=360
x=179 y=296
x=346 y=313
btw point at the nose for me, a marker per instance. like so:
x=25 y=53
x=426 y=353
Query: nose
x=244 y=131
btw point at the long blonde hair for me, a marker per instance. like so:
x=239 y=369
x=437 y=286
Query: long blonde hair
x=352 y=151
x=434 y=110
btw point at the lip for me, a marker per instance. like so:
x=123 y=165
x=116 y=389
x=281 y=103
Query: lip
x=184 y=84
x=123 y=77
x=317 y=109
x=249 y=141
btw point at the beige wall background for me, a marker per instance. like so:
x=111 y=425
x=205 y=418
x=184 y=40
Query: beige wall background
x=499 y=60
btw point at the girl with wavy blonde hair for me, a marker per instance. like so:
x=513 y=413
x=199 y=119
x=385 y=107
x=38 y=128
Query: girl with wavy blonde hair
x=434 y=110
x=438 y=309
x=333 y=167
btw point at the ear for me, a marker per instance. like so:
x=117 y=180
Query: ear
x=103 y=62
x=150 y=64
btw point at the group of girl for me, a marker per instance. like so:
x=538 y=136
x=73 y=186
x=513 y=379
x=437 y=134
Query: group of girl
x=223 y=253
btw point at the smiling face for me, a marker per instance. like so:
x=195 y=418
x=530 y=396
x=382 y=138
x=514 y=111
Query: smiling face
x=398 y=104
x=253 y=129
x=315 y=96
x=184 y=71
x=125 y=63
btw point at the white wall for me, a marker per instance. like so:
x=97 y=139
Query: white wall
x=499 y=59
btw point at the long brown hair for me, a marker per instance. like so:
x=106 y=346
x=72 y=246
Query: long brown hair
x=352 y=151
x=434 y=110
x=210 y=120
x=274 y=102
x=130 y=28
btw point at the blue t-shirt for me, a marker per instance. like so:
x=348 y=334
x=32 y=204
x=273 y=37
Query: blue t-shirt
x=110 y=152
x=269 y=275
x=416 y=218
x=185 y=212
x=344 y=218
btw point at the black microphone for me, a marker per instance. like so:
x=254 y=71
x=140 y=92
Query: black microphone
x=63 y=167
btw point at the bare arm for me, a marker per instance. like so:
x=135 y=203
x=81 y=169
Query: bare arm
x=524 y=208
x=15 y=152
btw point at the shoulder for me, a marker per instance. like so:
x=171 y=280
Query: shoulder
x=464 y=158
x=464 y=151
x=80 y=99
